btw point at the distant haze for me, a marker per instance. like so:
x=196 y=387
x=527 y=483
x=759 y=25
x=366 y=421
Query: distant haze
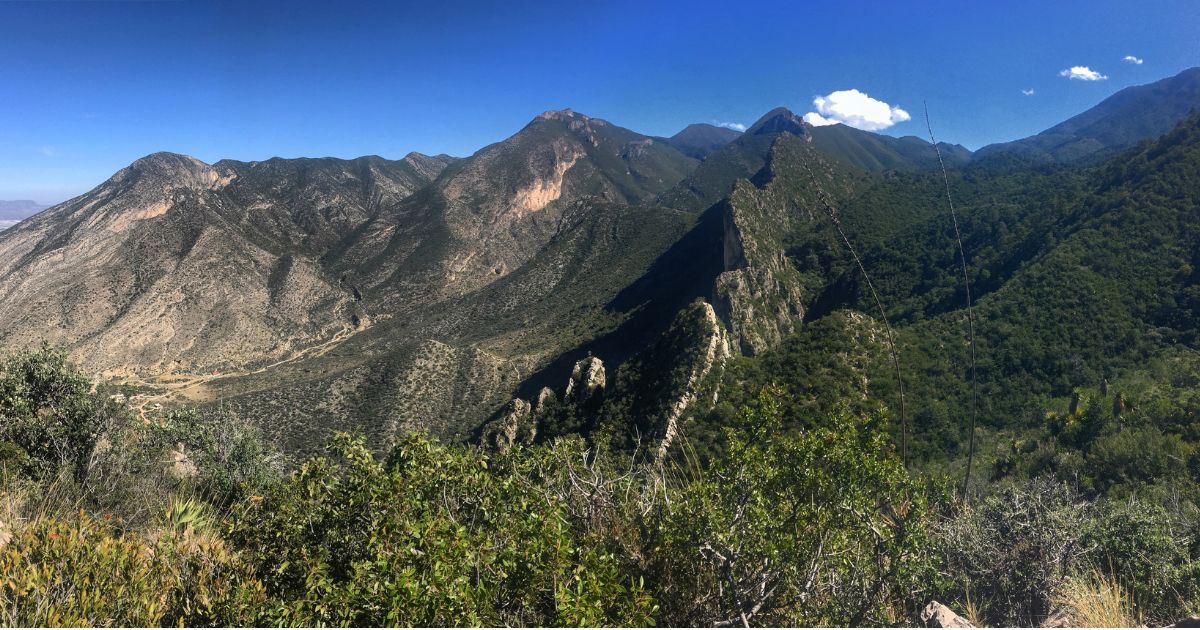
x=12 y=212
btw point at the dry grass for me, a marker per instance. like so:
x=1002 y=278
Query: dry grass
x=1097 y=602
x=971 y=611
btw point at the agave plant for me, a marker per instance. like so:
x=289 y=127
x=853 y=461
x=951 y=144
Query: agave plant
x=186 y=514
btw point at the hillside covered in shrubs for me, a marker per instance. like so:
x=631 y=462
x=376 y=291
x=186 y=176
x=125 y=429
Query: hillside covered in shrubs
x=109 y=519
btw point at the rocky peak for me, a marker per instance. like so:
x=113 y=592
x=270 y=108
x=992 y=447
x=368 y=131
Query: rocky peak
x=567 y=115
x=426 y=165
x=171 y=170
x=515 y=426
x=584 y=125
x=781 y=120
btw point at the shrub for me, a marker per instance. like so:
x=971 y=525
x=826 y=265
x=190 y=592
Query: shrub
x=229 y=455
x=1013 y=552
x=1144 y=549
x=77 y=572
x=435 y=536
x=50 y=414
x=817 y=527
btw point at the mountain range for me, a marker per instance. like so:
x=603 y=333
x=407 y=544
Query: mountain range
x=580 y=276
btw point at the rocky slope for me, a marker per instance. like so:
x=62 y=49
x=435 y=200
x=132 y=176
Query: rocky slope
x=173 y=265
x=488 y=214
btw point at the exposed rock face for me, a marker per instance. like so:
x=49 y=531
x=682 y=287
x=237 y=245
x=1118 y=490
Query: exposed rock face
x=587 y=379
x=545 y=398
x=781 y=120
x=517 y=425
x=937 y=615
x=715 y=346
x=500 y=206
x=762 y=294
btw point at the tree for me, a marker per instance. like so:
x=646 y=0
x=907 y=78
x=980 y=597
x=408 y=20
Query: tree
x=50 y=416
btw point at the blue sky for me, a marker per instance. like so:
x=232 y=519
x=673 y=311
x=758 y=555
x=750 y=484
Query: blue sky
x=87 y=87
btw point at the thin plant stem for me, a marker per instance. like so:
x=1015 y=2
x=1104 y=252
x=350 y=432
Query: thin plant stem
x=831 y=210
x=962 y=256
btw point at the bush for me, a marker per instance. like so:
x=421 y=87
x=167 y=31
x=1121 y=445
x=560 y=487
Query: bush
x=77 y=572
x=1013 y=552
x=436 y=536
x=1144 y=549
x=818 y=527
x=227 y=454
x=49 y=414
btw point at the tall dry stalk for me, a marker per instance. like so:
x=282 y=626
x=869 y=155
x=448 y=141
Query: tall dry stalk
x=831 y=211
x=962 y=256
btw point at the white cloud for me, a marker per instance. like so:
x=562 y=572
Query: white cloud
x=1028 y=92
x=856 y=109
x=48 y=151
x=732 y=125
x=817 y=120
x=1082 y=73
x=1133 y=60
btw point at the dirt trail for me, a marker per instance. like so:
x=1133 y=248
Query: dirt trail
x=192 y=386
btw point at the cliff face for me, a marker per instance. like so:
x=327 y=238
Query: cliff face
x=761 y=295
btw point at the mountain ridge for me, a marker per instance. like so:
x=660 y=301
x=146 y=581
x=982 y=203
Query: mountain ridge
x=1133 y=114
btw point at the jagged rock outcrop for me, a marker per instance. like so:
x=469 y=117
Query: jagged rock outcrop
x=516 y=426
x=762 y=294
x=654 y=392
x=542 y=402
x=586 y=382
x=715 y=348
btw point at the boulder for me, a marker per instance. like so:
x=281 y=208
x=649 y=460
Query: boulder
x=937 y=615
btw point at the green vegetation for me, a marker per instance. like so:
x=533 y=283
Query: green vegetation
x=694 y=487
x=787 y=522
